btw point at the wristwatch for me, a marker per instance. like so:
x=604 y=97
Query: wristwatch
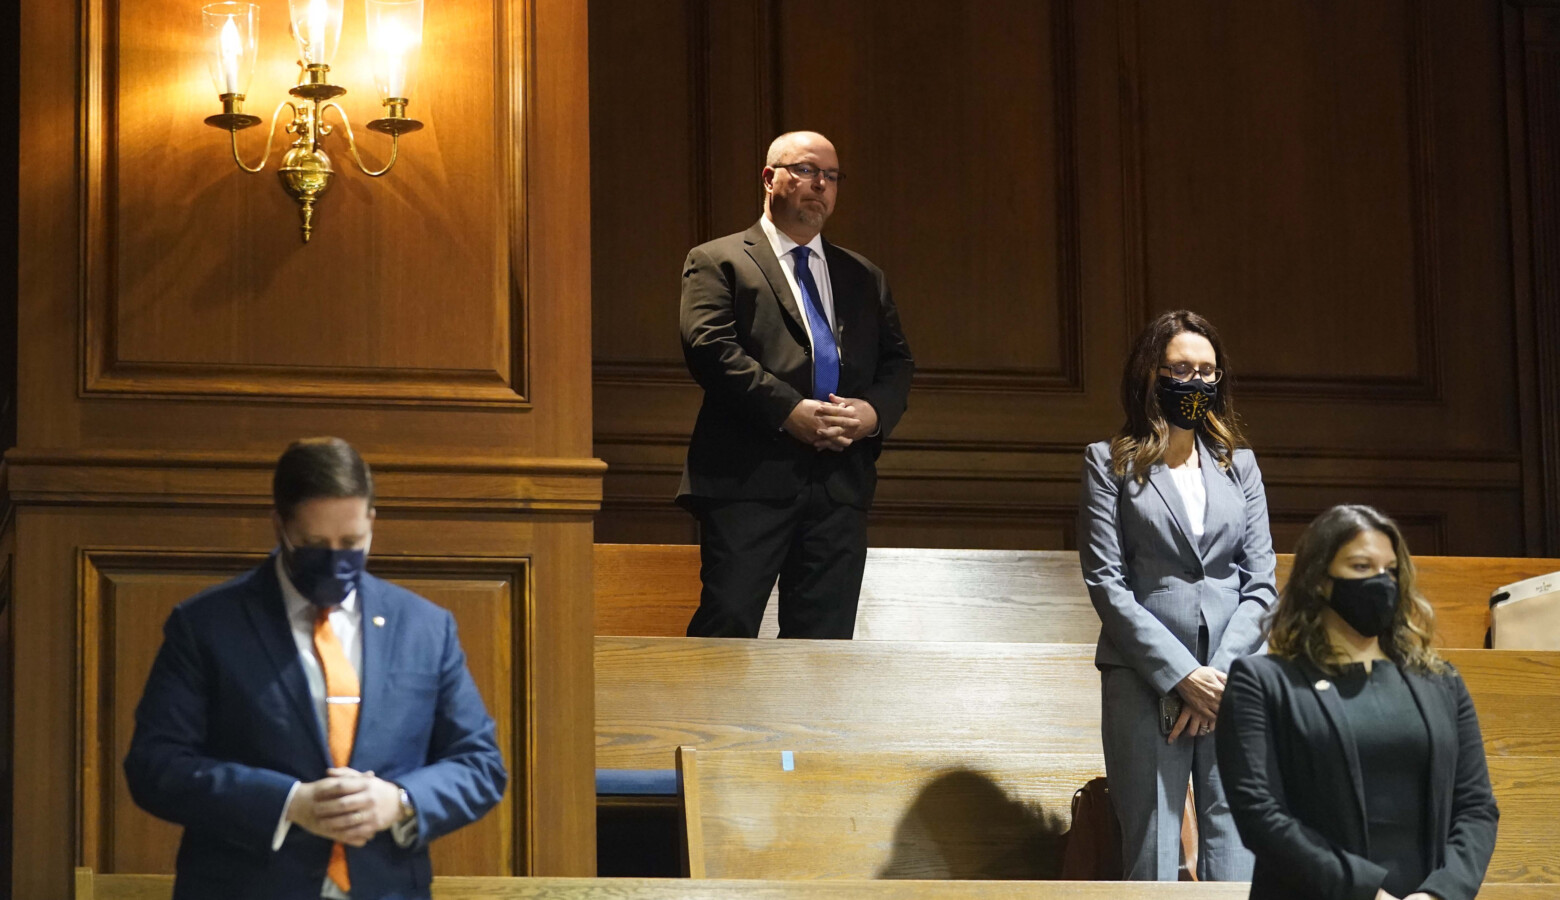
x=408 y=811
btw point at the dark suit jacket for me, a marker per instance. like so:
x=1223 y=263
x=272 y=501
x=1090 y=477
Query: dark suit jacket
x=226 y=725
x=1292 y=775
x=745 y=344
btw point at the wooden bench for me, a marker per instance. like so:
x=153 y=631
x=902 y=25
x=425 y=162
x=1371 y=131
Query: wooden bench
x=957 y=814
x=656 y=694
x=160 y=887
x=969 y=815
x=651 y=590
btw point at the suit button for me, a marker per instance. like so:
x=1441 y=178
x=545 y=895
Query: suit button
x=807 y=351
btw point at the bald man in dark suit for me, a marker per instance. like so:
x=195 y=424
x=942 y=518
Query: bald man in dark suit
x=805 y=371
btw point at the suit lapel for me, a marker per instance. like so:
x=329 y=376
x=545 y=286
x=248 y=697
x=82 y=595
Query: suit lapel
x=1218 y=513
x=1326 y=693
x=763 y=255
x=268 y=615
x=376 y=656
x=840 y=290
x=1159 y=476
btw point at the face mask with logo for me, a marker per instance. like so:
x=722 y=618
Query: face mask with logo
x=1185 y=403
x=1368 y=604
x=324 y=576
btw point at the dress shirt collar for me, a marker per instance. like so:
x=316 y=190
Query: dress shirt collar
x=782 y=244
x=299 y=609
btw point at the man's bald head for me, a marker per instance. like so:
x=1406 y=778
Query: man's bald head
x=801 y=180
x=792 y=142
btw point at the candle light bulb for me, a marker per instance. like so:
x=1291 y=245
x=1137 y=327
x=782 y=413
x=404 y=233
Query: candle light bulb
x=232 y=49
x=229 y=36
x=318 y=19
x=395 y=34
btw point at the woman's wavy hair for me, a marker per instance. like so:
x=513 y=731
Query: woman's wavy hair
x=1145 y=435
x=1296 y=629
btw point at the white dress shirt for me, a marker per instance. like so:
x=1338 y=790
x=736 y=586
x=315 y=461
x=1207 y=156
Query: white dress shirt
x=347 y=621
x=1194 y=495
x=816 y=264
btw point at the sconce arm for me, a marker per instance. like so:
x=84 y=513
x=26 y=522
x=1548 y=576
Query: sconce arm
x=270 y=136
x=395 y=142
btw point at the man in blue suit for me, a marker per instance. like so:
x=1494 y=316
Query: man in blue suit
x=311 y=726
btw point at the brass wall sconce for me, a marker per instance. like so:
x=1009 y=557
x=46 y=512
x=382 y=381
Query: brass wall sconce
x=394 y=36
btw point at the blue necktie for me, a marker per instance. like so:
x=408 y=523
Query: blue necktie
x=826 y=353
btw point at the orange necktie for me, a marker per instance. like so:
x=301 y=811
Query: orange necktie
x=341 y=714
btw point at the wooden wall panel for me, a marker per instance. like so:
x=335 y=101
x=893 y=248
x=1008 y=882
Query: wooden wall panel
x=1327 y=181
x=1533 y=105
x=207 y=290
x=126 y=595
x=175 y=335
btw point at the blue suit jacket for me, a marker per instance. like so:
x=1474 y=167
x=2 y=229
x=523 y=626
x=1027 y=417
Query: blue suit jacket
x=226 y=725
x=1154 y=583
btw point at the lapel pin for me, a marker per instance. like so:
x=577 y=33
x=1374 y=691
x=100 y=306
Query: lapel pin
x=379 y=621
x=1323 y=685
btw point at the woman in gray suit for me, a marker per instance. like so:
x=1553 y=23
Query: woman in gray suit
x=1174 y=543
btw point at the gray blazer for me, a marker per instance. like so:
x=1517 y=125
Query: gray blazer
x=1153 y=583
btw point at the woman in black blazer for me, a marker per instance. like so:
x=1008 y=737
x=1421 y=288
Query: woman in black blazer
x=1351 y=752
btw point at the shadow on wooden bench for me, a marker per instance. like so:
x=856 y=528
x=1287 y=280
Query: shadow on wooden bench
x=651 y=590
x=160 y=887
x=958 y=814
x=656 y=694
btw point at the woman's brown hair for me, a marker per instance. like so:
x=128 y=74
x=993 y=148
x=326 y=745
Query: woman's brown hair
x=1145 y=435
x=1297 y=630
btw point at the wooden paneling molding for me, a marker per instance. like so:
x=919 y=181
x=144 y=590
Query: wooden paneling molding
x=1326 y=181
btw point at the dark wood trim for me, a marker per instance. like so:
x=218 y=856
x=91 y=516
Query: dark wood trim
x=1533 y=107
x=241 y=480
x=1424 y=386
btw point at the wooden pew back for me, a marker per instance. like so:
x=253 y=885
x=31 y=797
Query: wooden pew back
x=651 y=590
x=954 y=813
x=965 y=814
x=1527 y=845
x=656 y=694
x=160 y=887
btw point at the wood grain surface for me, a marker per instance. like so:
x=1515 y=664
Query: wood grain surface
x=1035 y=596
x=894 y=814
x=159 y=887
x=656 y=694
x=1527 y=844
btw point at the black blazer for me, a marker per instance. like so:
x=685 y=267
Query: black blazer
x=745 y=344
x=1292 y=776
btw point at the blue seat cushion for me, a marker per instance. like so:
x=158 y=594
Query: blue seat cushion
x=637 y=782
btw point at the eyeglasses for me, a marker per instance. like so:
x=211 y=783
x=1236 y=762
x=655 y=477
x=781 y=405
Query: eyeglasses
x=1183 y=371
x=811 y=172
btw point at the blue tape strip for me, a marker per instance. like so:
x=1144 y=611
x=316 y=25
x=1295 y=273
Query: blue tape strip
x=787 y=761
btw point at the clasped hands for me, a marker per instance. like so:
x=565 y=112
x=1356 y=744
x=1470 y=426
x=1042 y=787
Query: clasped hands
x=346 y=806
x=1200 y=693
x=834 y=425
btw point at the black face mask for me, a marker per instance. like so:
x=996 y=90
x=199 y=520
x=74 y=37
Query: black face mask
x=1368 y=604
x=324 y=576
x=1185 y=403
